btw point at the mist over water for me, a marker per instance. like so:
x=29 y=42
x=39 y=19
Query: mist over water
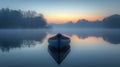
x=59 y=33
x=89 y=48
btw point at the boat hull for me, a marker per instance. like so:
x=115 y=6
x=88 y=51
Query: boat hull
x=59 y=44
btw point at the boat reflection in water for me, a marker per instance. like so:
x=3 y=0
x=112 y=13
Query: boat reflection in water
x=59 y=47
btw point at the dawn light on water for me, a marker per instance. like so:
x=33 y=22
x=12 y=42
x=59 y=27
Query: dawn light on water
x=59 y=33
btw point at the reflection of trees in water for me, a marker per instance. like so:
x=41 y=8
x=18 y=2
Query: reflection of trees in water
x=111 y=36
x=17 y=39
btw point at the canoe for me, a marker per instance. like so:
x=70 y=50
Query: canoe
x=59 y=42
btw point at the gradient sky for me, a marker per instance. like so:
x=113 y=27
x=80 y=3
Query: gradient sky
x=61 y=11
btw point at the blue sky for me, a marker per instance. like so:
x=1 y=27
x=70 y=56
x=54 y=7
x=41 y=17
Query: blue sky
x=66 y=10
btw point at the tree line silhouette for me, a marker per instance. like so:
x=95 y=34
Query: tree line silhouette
x=21 y=19
x=112 y=21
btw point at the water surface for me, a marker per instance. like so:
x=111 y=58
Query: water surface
x=89 y=48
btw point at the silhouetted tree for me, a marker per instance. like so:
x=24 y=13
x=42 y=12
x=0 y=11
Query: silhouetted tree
x=108 y=22
x=21 y=19
x=112 y=21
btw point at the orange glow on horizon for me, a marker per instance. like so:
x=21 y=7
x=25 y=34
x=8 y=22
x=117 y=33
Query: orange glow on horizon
x=60 y=20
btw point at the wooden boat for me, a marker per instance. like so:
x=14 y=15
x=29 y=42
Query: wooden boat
x=59 y=42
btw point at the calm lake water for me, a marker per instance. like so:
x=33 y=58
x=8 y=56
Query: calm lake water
x=89 y=48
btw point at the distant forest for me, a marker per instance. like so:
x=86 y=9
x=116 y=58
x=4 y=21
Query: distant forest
x=112 y=21
x=21 y=19
x=18 y=19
